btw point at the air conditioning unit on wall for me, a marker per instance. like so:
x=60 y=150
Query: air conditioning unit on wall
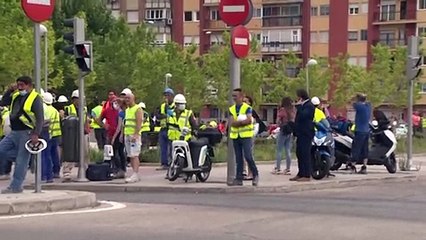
x=169 y=21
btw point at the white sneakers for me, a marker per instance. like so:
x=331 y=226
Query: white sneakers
x=133 y=178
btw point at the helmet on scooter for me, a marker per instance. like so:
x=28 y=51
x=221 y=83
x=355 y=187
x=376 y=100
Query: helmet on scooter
x=316 y=101
x=180 y=99
x=35 y=148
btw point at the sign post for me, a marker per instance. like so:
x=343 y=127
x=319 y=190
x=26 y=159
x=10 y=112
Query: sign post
x=38 y=11
x=235 y=13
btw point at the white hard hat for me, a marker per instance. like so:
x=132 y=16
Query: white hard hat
x=126 y=91
x=36 y=148
x=47 y=98
x=75 y=94
x=142 y=105
x=62 y=99
x=179 y=98
x=315 y=101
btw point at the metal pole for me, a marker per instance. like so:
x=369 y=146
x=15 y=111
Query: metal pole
x=410 y=125
x=235 y=83
x=81 y=177
x=37 y=76
x=167 y=81
x=307 y=78
x=46 y=61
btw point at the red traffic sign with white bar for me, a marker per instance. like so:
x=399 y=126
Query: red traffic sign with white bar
x=38 y=10
x=235 y=12
x=240 y=41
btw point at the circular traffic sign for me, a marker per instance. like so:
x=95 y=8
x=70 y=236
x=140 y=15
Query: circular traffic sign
x=235 y=12
x=38 y=10
x=240 y=41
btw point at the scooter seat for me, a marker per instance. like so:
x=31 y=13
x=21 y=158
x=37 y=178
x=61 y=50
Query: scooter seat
x=198 y=143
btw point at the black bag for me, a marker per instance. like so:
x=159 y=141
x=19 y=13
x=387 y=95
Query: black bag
x=287 y=128
x=99 y=172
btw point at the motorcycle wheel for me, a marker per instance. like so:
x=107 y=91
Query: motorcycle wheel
x=175 y=168
x=204 y=175
x=391 y=164
x=321 y=167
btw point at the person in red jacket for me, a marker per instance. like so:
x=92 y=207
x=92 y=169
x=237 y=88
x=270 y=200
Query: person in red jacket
x=110 y=114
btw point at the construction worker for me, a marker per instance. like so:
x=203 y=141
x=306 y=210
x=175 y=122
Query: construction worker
x=180 y=119
x=166 y=110
x=100 y=133
x=5 y=167
x=60 y=105
x=146 y=126
x=50 y=156
x=319 y=115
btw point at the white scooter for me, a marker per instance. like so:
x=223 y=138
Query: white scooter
x=194 y=157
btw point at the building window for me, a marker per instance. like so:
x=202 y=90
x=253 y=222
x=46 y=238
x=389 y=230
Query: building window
x=115 y=14
x=257 y=13
x=353 y=9
x=188 y=16
x=364 y=35
x=352 y=61
x=353 y=35
x=314 y=11
x=323 y=36
x=388 y=12
x=422 y=4
x=362 y=62
x=421 y=31
x=196 y=16
x=132 y=16
x=286 y=10
x=422 y=87
x=314 y=37
x=325 y=10
x=154 y=14
x=214 y=15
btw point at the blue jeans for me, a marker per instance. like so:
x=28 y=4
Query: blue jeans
x=164 y=147
x=243 y=148
x=284 y=142
x=5 y=166
x=50 y=158
x=13 y=147
x=54 y=143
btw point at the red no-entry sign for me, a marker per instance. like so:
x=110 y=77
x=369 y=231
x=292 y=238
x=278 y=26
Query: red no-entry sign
x=38 y=10
x=236 y=12
x=240 y=41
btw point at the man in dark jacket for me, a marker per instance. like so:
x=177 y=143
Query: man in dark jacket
x=304 y=131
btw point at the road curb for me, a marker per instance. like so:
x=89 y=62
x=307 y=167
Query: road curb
x=296 y=187
x=47 y=201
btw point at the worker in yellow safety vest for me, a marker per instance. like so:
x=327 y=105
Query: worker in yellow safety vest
x=182 y=122
x=146 y=126
x=241 y=133
x=165 y=111
x=100 y=133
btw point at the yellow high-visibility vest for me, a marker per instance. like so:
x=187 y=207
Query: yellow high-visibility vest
x=424 y=122
x=146 y=126
x=55 y=122
x=72 y=111
x=97 y=112
x=4 y=115
x=319 y=115
x=174 y=132
x=28 y=119
x=130 y=120
x=244 y=131
x=163 y=111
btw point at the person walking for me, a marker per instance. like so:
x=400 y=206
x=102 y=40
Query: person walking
x=362 y=133
x=51 y=163
x=285 y=120
x=100 y=133
x=242 y=133
x=166 y=110
x=132 y=138
x=304 y=131
x=26 y=118
x=120 y=158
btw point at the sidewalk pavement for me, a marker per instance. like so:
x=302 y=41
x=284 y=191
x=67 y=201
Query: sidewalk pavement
x=153 y=181
x=47 y=201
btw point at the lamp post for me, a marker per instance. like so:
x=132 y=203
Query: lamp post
x=43 y=31
x=311 y=62
x=168 y=76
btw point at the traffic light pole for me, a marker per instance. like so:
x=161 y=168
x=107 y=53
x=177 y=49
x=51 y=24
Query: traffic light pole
x=235 y=76
x=81 y=177
x=412 y=52
x=37 y=78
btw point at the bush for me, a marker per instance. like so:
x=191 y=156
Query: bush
x=95 y=155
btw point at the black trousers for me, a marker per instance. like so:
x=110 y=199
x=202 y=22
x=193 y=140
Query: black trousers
x=100 y=135
x=303 y=154
x=120 y=158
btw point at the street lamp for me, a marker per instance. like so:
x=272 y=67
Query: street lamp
x=168 y=76
x=43 y=31
x=311 y=62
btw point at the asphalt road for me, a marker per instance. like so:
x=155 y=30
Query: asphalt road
x=385 y=211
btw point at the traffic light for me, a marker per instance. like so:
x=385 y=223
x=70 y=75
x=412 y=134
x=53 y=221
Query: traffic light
x=414 y=58
x=83 y=56
x=76 y=36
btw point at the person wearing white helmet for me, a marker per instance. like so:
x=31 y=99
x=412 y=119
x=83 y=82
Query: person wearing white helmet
x=146 y=126
x=50 y=156
x=180 y=119
x=319 y=115
x=60 y=105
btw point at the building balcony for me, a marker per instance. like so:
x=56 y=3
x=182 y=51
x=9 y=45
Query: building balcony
x=281 y=1
x=391 y=42
x=387 y=18
x=281 y=47
x=282 y=21
x=211 y=2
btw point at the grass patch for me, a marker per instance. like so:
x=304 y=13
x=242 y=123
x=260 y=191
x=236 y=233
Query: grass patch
x=419 y=145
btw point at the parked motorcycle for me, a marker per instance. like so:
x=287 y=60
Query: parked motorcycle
x=322 y=153
x=193 y=157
